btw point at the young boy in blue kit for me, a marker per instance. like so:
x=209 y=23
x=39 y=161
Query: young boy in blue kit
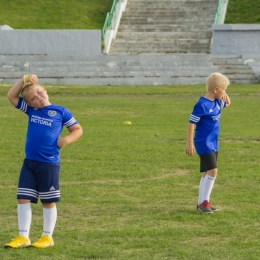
x=206 y=117
x=39 y=175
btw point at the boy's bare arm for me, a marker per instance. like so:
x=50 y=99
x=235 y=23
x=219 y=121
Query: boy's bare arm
x=14 y=92
x=75 y=133
x=190 y=150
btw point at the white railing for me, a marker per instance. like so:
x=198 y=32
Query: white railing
x=111 y=31
x=222 y=10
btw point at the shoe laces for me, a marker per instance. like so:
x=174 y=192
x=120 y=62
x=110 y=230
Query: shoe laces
x=17 y=237
x=206 y=204
x=44 y=238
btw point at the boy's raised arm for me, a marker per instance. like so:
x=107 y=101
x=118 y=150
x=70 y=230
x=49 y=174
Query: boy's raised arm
x=13 y=93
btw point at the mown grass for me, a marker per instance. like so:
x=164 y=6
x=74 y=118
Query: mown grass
x=243 y=12
x=58 y=14
x=129 y=191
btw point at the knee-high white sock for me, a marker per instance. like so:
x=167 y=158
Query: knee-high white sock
x=24 y=219
x=200 y=190
x=49 y=221
x=207 y=187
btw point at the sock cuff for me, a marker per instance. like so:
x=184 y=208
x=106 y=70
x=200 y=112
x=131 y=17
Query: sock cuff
x=24 y=205
x=49 y=209
x=210 y=177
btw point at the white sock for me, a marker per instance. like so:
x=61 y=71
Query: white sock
x=207 y=187
x=24 y=219
x=49 y=221
x=200 y=190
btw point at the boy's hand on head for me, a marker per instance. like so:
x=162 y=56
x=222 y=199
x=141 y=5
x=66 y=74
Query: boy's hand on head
x=33 y=78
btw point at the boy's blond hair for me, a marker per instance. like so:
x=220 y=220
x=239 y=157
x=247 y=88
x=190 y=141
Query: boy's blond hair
x=26 y=89
x=216 y=80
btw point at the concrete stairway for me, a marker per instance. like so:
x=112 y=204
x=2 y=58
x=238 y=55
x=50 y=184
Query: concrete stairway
x=172 y=35
x=235 y=69
x=253 y=61
x=123 y=69
x=165 y=26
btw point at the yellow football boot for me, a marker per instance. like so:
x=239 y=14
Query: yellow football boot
x=43 y=242
x=19 y=242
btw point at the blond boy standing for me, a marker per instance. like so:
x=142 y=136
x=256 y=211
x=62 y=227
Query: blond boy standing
x=39 y=175
x=205 y=122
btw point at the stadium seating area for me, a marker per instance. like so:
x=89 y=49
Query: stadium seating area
x=158 y=43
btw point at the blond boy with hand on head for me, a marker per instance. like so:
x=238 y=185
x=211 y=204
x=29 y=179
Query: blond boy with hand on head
x=206 y=118
x=39 y=175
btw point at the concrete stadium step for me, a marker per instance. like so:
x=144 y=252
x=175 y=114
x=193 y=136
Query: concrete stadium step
x=167 y=19
x=167 y=12
x=181 y=20
x=146 y=10
x=6 y=58
x=180 y=50
x=182 y=46
x=151 y=22
x=175 y=27
x=161 y=38
x=110 y=66
x=69 y=73
x=124 y=69
x=117 y=81
x=163 y=30
x=172 y=3
x=227 y=61
x=85 y=71
x=163 y=47
x=107 y=69
x=139 y=8
x=235 y=69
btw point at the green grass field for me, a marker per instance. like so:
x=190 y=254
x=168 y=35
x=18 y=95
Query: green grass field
x=243 y=12
x=91 y=14
x=130 y=191
x=58 y=14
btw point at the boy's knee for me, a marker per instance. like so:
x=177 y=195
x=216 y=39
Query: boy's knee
x=212 y=172
x=48 y=205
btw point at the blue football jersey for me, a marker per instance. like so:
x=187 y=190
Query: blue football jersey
x=44 y=128
x=206 y=116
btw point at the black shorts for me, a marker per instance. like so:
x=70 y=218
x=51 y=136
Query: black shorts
x=208 y=161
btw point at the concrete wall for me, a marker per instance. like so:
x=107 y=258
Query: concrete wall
x=56 y=42
x=230 y=39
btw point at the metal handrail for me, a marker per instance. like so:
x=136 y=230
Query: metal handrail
x=220 y=11
x=109 y=18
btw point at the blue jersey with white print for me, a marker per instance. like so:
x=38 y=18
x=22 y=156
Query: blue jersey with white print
x=206 y=116
x=44 y=128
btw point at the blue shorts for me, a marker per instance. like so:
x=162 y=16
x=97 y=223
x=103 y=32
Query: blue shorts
x=39 y=179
